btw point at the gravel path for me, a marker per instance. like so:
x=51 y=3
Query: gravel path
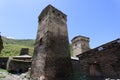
x=14 y=77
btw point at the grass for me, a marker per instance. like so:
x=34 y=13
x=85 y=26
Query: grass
x=3 y=73
x=14 y=50
x=12 y=47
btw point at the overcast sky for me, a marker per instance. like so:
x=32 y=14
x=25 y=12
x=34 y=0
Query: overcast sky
x=97 y=19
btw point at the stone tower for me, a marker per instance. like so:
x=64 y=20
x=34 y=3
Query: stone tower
x=51 y=59
x=24 y=51
x=1 y=43
x=80 y=44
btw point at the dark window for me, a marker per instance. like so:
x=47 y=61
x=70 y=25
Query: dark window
x=75 y=44
x=58 y=14
x=53 y=11
x=40 y=19
x=41 y=40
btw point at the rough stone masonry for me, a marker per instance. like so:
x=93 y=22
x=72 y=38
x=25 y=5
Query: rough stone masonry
x=1 y=43
x=51 y=59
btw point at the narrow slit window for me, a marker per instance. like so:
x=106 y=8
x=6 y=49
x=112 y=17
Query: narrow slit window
x=39 y=19
x=53 y=11
x=75 y=44
x=41 y=41
x=58 y=14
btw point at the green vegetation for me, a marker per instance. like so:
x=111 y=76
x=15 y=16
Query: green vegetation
x=23 y=42
x=3 y=73
x=12 y=47
x=71 y=50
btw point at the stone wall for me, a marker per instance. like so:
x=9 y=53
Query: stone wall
x=1 y=44
x=76 y=68
x=17 y=66
x=103 y=61
x=3 y=62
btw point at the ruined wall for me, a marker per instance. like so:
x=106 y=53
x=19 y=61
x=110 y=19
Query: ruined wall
x=3 y=62
x=16 y=66
x=1 y=44
x=51 y=57
x=101 y=62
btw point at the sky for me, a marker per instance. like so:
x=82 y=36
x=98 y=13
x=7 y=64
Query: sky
x=97 y=19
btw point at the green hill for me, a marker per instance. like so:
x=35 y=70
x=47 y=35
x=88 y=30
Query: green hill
x=12 y=47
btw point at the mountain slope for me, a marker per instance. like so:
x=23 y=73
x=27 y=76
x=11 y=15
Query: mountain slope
x=12 y=47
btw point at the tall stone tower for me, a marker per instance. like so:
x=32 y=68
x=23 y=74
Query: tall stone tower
x=51 y=59
x=1 y=43
x=80 y=44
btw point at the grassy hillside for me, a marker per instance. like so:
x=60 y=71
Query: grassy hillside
x=25 y=42
x=12 y=47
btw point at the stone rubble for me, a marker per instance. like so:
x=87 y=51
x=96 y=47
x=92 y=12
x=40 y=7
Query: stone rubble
x=10 y=76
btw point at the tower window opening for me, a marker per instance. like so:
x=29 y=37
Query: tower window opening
x=58 y=14
x=53 y=11
x=75 y=44
x=40 y=19
x=41 y=41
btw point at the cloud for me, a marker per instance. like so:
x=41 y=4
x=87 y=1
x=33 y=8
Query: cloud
x=10 y=37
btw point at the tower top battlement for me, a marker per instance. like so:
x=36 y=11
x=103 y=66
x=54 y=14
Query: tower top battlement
x=50 y=9
x=80 y=44
x=80 y=38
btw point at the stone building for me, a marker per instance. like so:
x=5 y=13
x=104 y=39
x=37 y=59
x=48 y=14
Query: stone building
x=101 y=62
x=1 y=44
x=51 y=58
x=80 y=44
x=20 y=64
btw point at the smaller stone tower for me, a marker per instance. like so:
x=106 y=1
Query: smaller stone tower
x=24 y=51
x=1 y=43
x=80 y=44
